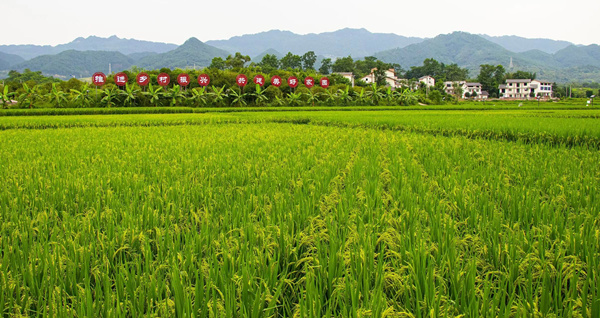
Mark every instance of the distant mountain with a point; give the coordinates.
(92, 43)
(7, 60)
(138, 56)
(573, 63)
(354, 42)
(192, 52)
(464, 49)
(573, 56)
(259, 57)
(518, 44)
(77, 63)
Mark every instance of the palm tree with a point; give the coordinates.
(80, 98)
(154, 94)
(6, 96)
(109, 95)
(217, 95)
(57, 97)
(237, 97)
(130, 94)
(29, 97)
(175, 94)
(198, 97)
(259, 96)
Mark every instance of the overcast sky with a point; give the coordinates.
(61, 21)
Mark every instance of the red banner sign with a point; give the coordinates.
(203, 80)
(309, 82)
(99, 79)
(121, 79)
(259, 80)
(241, 80)
(276, 81)
(163, 79)
(143, 79)
(292, 81)
(183, 79)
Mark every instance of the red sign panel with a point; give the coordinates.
(309, 82)
(292, 81)
(259, 80)
(99, 79)
(203, 80)
(324, 82)
(143, 79)
(183, 79)
(276, 81)
(163, 79)
(121, 79)
(241, 80)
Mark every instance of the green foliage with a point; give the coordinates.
(343, 64)
(6, 96)
(325, 66)
(308, 60)
(29, 76)
(237, 61)
(291, 61)
(269, 63)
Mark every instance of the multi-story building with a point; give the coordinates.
(427, 80)
(390, 78)
(525, 89)
(473, 89)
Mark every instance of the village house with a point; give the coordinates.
(390, 78)
(525, 89)
(474, 90)
(427, 80)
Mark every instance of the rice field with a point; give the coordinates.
(301, 214)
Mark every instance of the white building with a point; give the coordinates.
(525, 89)
(390, 78)
(473, 89)
(427, 80)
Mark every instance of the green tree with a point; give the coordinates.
(217, 63)
(237, 61)
(291, 61)
(56, 96)
(154, 94)
(308, 60)
(344, 64)
(491, 77)
(110, 94)
(269, 63)
(325, 66)
(379, 73)
(6, 96)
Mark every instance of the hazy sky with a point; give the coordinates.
(61, 21)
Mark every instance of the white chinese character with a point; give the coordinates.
(241, 80)
(143, 79)
(183, 79)
(309, 82)
(259, 80)
(121, 79)
(162, 79)
(99, 79)
(292, 82)
(203, 80)
(276, 81)
(324, 82)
